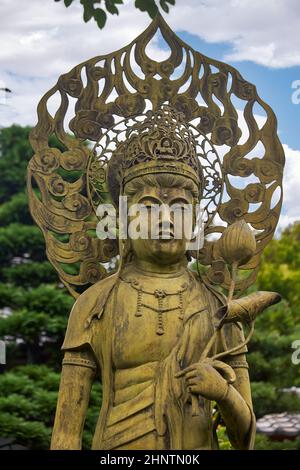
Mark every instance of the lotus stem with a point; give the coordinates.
(238, 347)
(233, 281)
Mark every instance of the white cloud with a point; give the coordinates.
(42, 39)
(48, 39)
(291, 188)
(265, 32)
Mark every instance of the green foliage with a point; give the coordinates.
(223, 440)
(278, 319)
(15, 154)
(28, 397)
(45, 298)
(34, 435)
(270, 349)
(29, 274)
(39, 306)
(285, 250)
(15, 210)
(31, 326)
(29, 286)
(91, 8)
(262, 442)
(280, 270)
(17, 240)
(270, 359)
(269, 399)
(151, 7)
(39, 318)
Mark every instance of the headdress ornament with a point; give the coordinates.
(162, 143)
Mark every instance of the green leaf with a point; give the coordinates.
(147, 5)
(29, 274)
(100, 17)
(68, 2)
(111, 8)
(15, 210)
(18, 240)
(140, 4)
(164, 6)
(88, 11)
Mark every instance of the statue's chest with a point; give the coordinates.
(148, 321)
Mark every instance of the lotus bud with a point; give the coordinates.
(237, 244)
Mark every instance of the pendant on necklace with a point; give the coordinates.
(159, 294)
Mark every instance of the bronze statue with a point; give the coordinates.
(166, 341)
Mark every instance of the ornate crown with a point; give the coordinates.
(162, 143)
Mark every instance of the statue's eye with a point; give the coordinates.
(150, 206)
(146, 205)
(153, 208)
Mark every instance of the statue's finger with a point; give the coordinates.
(184, 371)
(192, 373)
(192, 389)
(225, 370)
(193, 381)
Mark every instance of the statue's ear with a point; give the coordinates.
(127, 249)
(114, 175)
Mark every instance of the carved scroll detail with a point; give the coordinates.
(118, 86)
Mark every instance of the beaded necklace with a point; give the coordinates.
(160, 295)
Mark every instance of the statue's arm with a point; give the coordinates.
(236, 410)
(77, 377)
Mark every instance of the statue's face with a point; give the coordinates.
(164, 215)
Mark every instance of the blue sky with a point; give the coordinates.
(259, 38)
(274, 85)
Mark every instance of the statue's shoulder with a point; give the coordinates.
(89, 305)
(207, 289)
(95, 295)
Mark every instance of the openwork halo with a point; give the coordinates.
(224, 112)
(105, 168)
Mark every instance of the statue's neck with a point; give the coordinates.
(150, 268)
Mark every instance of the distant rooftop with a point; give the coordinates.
(280, 426)
(293, 389)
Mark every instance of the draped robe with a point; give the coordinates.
(144, 405)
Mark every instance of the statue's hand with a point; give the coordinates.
(209, 378)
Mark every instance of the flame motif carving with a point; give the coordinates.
(242, 160)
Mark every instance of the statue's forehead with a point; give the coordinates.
(164, 192)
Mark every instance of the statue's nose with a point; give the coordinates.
(165, 216)
(166, 228)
